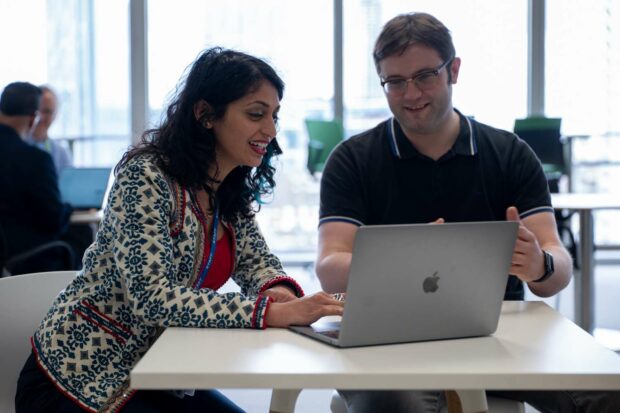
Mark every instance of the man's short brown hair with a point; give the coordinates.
(408, 29)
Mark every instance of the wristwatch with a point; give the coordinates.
(549, 268)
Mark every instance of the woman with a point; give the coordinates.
(179, 222)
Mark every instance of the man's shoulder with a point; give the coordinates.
(502, 145)
(489, 136)
(25, 152)
(38, 154)
(27, 163)
(58, 145)
(490, 132)
(368, 140)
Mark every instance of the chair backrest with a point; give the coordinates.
(544, 137)
(51, 256)
(24, 301)
(323, 136)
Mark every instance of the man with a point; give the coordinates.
(39, 136)
(429, 163)
(31, 212)
(79, 236)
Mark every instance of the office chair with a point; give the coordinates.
(18, 263)
(323, 136)
(544, 137)
(24, 301)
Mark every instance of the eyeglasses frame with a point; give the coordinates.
(434, 72)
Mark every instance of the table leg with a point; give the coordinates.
(467, 401)
(569, 164)
(283, 401)
(584, 284)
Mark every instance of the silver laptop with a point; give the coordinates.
(422, 282)
(84, 188)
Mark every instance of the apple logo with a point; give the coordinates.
(430, 283)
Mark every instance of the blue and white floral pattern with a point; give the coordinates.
(137, 279)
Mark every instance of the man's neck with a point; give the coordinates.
(15, 123)
(438, 142)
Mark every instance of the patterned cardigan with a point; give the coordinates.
(139, 277)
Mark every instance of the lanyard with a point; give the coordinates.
(205, 270)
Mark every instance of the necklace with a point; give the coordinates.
(205, 271)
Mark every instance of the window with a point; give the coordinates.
(70, 45)
(583, 65)
(583, 88)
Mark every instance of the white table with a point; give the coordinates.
(93, 216)
(533, 348)
(585, 204)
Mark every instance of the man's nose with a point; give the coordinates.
(411, 89)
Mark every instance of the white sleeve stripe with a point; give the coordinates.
(340, 219)
(536, 211)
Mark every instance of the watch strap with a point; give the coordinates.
(549, 267)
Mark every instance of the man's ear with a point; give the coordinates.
(201, 111)
(454, 69)
(32, 119)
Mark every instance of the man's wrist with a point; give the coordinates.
(548, 265)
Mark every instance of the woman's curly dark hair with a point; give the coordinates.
(184, 149)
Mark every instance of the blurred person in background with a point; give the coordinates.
(39, 136)
(79, 236)
(31, 210)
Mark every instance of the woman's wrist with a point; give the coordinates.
(274, 316)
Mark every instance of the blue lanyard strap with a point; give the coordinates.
(204, 272)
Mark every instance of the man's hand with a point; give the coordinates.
(280, 294)
(303, 311)
(528, 262)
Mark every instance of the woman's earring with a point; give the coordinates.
(207, 124)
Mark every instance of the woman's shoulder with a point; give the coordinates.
(140, 167)
(142, 163)
(143, 171)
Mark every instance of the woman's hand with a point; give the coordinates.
(280, 294)
(303, 311)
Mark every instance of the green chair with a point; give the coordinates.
(544, 137)
(323, 136)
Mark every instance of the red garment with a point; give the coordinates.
(223, 261)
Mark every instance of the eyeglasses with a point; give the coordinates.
(424, 80)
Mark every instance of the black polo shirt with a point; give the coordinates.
(378, 178)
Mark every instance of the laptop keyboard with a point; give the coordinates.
(330, 333)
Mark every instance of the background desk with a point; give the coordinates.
(87, 217)
(534, 347)
(585, 204)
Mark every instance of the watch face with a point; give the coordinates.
(549, 267)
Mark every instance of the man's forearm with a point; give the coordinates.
(333, 271)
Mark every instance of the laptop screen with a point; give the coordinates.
(84, 188)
